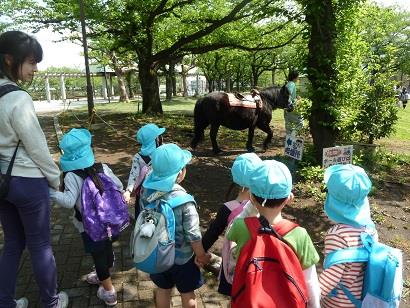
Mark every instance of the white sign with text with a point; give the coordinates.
(337, 155)
(294, 147)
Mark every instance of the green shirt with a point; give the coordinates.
(292, 90)
(298, 238)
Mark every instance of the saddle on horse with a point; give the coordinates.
(252, 100)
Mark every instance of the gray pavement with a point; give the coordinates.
(134, 288)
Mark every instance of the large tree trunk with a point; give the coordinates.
(148, 78)
(173, 79)
(321, 61)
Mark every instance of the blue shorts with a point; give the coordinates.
(186, 277)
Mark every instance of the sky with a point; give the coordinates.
(60, 54)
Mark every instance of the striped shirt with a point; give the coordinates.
(349, 274)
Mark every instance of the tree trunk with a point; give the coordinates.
(168, 84)
(273, 76)
(184, 84)
(148, 78)
(120, 78)
(228, 84)
(128, 77)
(321, 61)
(173, 79)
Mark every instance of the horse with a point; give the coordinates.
(214, 109)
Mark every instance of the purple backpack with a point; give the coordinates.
(104, 214)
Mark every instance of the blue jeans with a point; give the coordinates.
(25, 218)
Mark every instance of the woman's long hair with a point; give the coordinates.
(20, 46)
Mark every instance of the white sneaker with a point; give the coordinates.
(109, 297)
(62, 300)
(92, 278)
(22, 303)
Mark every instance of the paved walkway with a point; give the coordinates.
(59, 105)
(134, 288)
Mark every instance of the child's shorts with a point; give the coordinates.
(186, 277)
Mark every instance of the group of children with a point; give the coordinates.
(265, 189)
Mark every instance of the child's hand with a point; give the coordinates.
(203, 260)
(127, 196)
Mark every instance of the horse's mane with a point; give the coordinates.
(271, 93)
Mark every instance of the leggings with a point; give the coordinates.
(25, 218)
(103, 261)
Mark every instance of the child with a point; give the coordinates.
(150, 137)
(270, 184)
(348, 206)
(241, 166)
(77, 163)
(168, 171)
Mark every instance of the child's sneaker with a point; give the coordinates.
(109, 297)
(22, 303)
(92, 278)
(62, 300)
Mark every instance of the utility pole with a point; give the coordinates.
(90, 96)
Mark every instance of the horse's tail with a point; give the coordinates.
(200, 123)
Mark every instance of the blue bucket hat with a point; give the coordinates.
(167, 161)
(77, 151)
(241, 167)
(271, 180)
(346, 200)
(146, 136)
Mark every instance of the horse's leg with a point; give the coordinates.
(266, 128)
(251, 133)
(213, 133)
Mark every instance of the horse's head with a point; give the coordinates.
(278, 97)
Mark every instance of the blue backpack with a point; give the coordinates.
(383, 277)
(152, 243)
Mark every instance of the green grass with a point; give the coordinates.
(402, 126)
(401, 136)
(179, 104)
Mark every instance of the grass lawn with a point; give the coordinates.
(399, 141)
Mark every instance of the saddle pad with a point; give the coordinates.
(234, 102)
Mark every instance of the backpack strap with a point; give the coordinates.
(9, 88)
(360, 254)
(353, 254)
(180, 200)
(261, 225)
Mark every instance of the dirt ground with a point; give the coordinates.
(208, 178)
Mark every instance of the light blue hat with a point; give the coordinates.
(166, 161)
(146, 136)
(346, 200)
(77, 151)
(271, 180)
(241, 167)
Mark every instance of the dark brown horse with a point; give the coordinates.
(214, 109)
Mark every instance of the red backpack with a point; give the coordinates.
(268, 273)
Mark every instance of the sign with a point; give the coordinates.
(294, 147)
(337, 155)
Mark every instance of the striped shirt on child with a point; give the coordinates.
(349, 274)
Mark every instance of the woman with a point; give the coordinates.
(25, 210)
(293, 120)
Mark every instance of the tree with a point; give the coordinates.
(160, 30)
